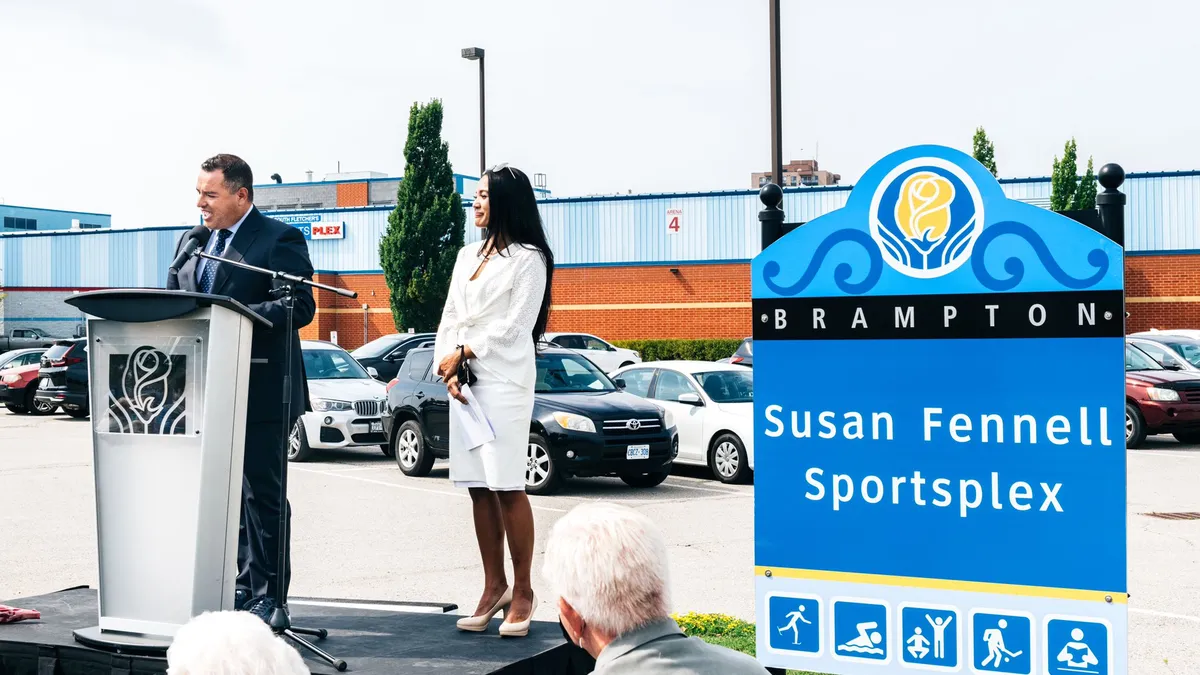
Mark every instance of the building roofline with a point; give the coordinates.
(38, 208)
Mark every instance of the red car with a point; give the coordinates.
(1159, 401)
(17, 387)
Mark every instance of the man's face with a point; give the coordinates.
(220, 207)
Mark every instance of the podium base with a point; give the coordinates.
(122, 643)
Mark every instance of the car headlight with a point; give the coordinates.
(327, 405)
(575, 422)
(1157, 394)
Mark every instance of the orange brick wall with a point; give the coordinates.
(585, 288)
(351, 194)
(1162, 276)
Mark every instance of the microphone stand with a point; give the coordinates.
(280, 622)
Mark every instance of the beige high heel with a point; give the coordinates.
(519, 628)
(478, 624)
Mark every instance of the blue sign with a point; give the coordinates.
(1077, 646)
(796, 624)
(860, 631)
(915, 444)
(930, 636)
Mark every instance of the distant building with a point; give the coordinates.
(360, 189)
(29, 219)
(796, 173)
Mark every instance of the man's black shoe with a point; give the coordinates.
(262, 608)
(241, 597)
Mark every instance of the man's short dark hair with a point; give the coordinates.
(237, 172)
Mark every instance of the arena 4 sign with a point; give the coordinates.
(940, 462)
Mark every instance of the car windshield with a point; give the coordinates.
(1136, 359)
(1188, 350)
(377, 347)
(332, 364)
(568, 373)
(727, 386)
(58, 351)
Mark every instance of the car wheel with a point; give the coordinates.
(645, 480)
(36, 407)
(412, 455)
(79, 414)
(14, 408)
(1135, 426)
(727, 459)
(542, 476)
(298, 448)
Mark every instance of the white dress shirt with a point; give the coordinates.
(212, 245)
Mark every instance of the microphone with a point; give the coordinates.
(196, 238)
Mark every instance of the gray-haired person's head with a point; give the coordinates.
(608, 564)
(231, 643)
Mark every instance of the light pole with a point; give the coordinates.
(473, 54)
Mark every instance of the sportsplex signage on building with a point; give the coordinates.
(940, 479)
(314, 227)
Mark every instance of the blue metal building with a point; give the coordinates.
(30, 219)
(1163, 216)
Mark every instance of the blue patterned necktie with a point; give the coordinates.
(210, 266)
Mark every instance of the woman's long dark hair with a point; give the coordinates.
(514, 219)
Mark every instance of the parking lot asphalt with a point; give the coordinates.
(363, 530)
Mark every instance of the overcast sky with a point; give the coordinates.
(110, 106)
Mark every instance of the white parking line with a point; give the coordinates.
(672, 483)
(460, 495)
(1166, 615)
(1188, 454)
(421, 609)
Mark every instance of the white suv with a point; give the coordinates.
(606, 357)
(347, 404)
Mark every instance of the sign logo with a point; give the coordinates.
(633, 425)
(147, 393)
(925, 216)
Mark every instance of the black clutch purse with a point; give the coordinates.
(465, 376)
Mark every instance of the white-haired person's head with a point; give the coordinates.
(231, 643)
(608, 566)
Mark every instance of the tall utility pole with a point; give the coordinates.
(776, 98)
(473, 54)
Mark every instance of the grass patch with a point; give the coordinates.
(725, 631)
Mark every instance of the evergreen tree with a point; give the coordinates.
(1085, 197)
(1064, 179)
(425, 230)
(984, 151)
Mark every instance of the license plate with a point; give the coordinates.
(637, 452)
(376, 427)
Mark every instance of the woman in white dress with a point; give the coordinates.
(495, 313)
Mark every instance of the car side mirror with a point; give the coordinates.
(373, 373)
(690, 399)
(620, 382)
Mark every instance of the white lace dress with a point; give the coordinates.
(494, 315)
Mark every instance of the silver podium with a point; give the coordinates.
(168, 373)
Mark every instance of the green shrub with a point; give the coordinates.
(723, 630)
(682, 350)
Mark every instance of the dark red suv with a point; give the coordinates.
(1159, 401)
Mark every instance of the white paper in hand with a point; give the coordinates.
(474, 428)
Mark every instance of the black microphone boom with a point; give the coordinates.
(197, 238)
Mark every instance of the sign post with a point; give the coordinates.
(939, 433)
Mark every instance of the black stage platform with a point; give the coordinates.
(382, 640)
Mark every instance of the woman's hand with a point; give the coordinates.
(453, 388)
(449, 365)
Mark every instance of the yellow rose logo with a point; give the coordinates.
(923, 209)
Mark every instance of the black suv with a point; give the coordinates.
(63, 377)
(583, 424)
(387, 353)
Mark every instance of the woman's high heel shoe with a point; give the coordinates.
(478, 624)
(519, 628)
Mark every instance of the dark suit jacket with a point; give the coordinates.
(267, 243)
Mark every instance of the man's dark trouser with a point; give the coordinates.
(262, 495)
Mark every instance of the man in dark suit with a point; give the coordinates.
(241, 233)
